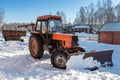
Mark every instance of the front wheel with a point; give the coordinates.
(59, 59)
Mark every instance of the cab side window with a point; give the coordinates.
(38, 25)
(44, 26)
(51, 26)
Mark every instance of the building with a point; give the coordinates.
(80, 28)
(109, 33)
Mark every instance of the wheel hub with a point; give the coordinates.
(60, 61)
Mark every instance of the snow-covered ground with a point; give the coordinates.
(17, 64)
(85, 36)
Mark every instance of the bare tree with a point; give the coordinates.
(58, 13)
(109, 11)
(62, 14)
(64, 18)
(82, 15)
(91, 14)
(1, 15)
(117, 9)
(99, 12)
(69, 22)
(77, 19)
(87, 14)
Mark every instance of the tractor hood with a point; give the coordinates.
(68, 40)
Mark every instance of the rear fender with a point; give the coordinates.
(39, 35)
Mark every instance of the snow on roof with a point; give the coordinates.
(114, 26)
(82, 26)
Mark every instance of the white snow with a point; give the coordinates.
(82, 34)
(82, 26)
(77, 62)
(17, 64)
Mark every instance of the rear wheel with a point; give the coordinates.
(36, 47)
(59, 59)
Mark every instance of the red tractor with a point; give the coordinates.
(48, 35)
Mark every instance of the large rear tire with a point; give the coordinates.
(59, 59)
(36, 47)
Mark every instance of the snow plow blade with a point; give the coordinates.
(104, 57)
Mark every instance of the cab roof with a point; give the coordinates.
(46, 17)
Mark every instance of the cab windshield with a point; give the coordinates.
(54, 26)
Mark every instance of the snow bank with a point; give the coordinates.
(77, 62)
(89, 45)
(85, 75)
(92, 45)
(82, 34)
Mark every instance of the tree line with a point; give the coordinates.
(97, 15)
(94, 15)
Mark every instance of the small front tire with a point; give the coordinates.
(59, 59)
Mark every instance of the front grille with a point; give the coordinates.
(74, 40)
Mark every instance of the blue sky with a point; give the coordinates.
(28, 10)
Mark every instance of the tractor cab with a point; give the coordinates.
(49, 24)
(49, 29)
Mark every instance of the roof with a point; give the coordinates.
(82, 26)
(68, 27)
(113, 26)
(46, 17)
